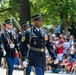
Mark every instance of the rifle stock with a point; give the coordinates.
(7, 35)
(17, 24)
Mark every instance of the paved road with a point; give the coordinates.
(19, 72)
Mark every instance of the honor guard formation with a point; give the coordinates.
(35, 49)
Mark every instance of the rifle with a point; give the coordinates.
(19, 27)
(17, 24)
(7, 35)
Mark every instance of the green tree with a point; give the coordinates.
(54, 11)
(7, 8)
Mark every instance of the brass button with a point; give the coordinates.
(42, 50)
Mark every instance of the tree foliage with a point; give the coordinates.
(7, 8)
(54, 11)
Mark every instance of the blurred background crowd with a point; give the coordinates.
(64, 46)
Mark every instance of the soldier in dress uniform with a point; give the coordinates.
(2, 49)
(25, 25)
(38, 39)
(10, 46)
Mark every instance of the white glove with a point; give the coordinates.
(12, 46)
(25, 63)
(4, 52)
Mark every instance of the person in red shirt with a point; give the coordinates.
(74, 67)
(60, 50)
(68, 65)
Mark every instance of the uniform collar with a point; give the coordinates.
(38, 28)
(8, 30)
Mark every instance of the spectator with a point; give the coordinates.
(74, 67)
(47, 61)
(48, 67)
(58, 30)
(52, 66)
(63, 64)
(68, 65)
(71, 43)
(60, 50)
(66, 45)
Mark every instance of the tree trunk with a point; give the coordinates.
(64, 20)
(66, 27)
(24, 10)
(66, 23)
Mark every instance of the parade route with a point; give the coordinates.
(20, 72)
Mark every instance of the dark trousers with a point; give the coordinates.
(57, 34)
(10, 63)
(38, 70)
